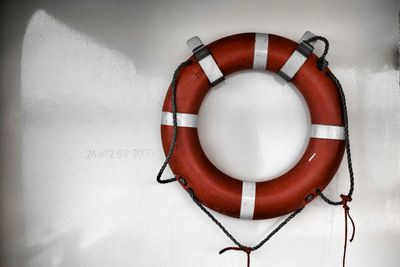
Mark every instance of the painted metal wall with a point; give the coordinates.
(82, 83)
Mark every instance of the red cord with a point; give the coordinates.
(345, 200)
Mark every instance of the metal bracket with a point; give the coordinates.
(297, 59)
(206, 60)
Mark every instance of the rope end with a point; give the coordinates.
(345, 200)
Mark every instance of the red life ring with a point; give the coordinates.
(284, 194)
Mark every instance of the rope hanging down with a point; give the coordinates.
(175, 129)
(322, 64)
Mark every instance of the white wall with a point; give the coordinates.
(80, 77)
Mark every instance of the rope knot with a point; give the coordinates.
(248, 250)
(322, 63)
(345, 200)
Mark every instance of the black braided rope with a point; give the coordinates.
(279, 227)
(230, 236)
(322, 64)
(175, 130)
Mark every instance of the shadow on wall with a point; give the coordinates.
(138, 19)
(97, 19)
(14, 18)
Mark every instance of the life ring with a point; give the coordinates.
(288, 192)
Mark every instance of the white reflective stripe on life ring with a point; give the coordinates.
(260, 51)
(211, 68)
(296, 60)
(293, 64)
(183, 119)
(248, 200)
(207, 63)
(327, 132)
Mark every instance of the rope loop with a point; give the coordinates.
(241, 247)
(322, 64)
(175, 129)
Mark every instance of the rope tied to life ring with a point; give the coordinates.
(322, 64)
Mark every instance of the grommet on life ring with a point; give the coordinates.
(293, 62)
